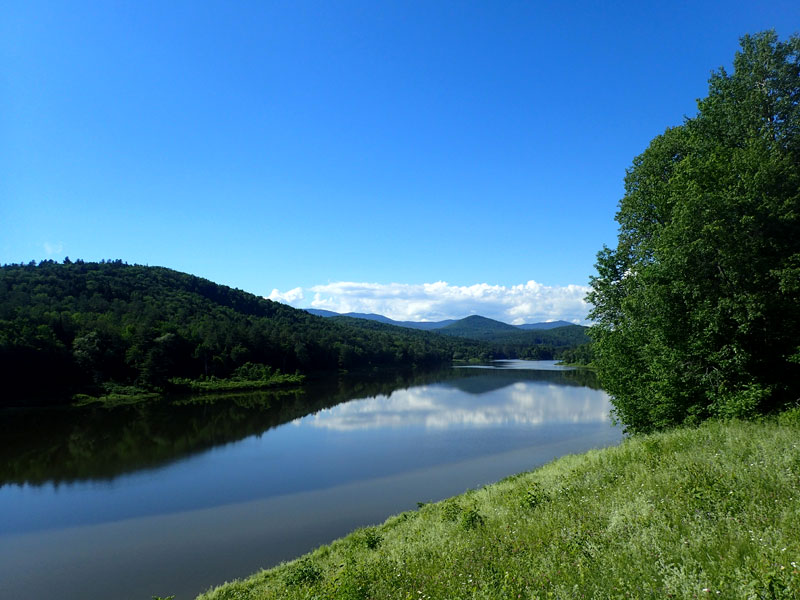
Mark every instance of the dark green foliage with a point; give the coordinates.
(534, 496)
(530, 344)
(481, 328)
(303, 572)
(77, 327)
(697, 309)
(467, 518)
(451, 510)
(471, 519)
(579, 355)
(476, 327)
(790, 417)
(370, 538)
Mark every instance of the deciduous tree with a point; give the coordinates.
(697, 309)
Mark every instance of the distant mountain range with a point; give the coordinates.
(426, 325)
(472, 323)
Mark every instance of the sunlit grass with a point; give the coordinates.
(692, 513)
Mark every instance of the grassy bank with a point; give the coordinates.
(115, 395)
(214, 384)
(249, 377)
(692, 513)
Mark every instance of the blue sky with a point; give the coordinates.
(348, 154)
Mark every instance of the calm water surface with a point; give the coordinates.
(174, 497)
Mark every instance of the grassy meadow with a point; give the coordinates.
(690, 513)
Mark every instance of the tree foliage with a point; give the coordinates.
(73, 327)
(697, 309)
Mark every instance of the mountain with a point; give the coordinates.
(424, 325)
(497, 332)
(372, 317)
(476, 325)
(545, 325)
(103, 328)
(321, 313)
(430, 325)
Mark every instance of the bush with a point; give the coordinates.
(451, 510)
(303, 572)
(252, 372)
(471, 519)
(534, 496)
(790, 417)
(370, 537)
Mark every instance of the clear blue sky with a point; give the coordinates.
(291, 144)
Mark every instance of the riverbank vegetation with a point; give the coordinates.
(697, 309)
(247, 377)
(690, 513)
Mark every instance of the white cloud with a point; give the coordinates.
(529, 302)
(292, 297)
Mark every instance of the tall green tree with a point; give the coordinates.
(697, 309)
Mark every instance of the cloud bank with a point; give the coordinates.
(529, 302)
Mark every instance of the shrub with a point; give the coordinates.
(534, 496)
(471, 519)
(451, 510)
(370, 537)
(303, 572)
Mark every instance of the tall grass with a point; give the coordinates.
(691, 513)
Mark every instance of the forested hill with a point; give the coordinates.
(497, 332)
(476, 325)
(80, 326)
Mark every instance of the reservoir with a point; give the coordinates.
(176, 495)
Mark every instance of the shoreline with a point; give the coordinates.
(624, 519)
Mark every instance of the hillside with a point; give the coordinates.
(476, 327)
(506, 341)
(690, 513)
(91, 327)
(487, 330)
(545, 325)
(426, 325)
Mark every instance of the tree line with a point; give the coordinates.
(92, 327)
(697, 309)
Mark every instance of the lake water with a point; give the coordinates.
(172, 497)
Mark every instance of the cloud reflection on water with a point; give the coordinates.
(443, 407)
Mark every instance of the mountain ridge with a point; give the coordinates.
(112, 328)
(431, 325)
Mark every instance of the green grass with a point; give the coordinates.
(712, 512)
(116, 396)
(214, 384)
